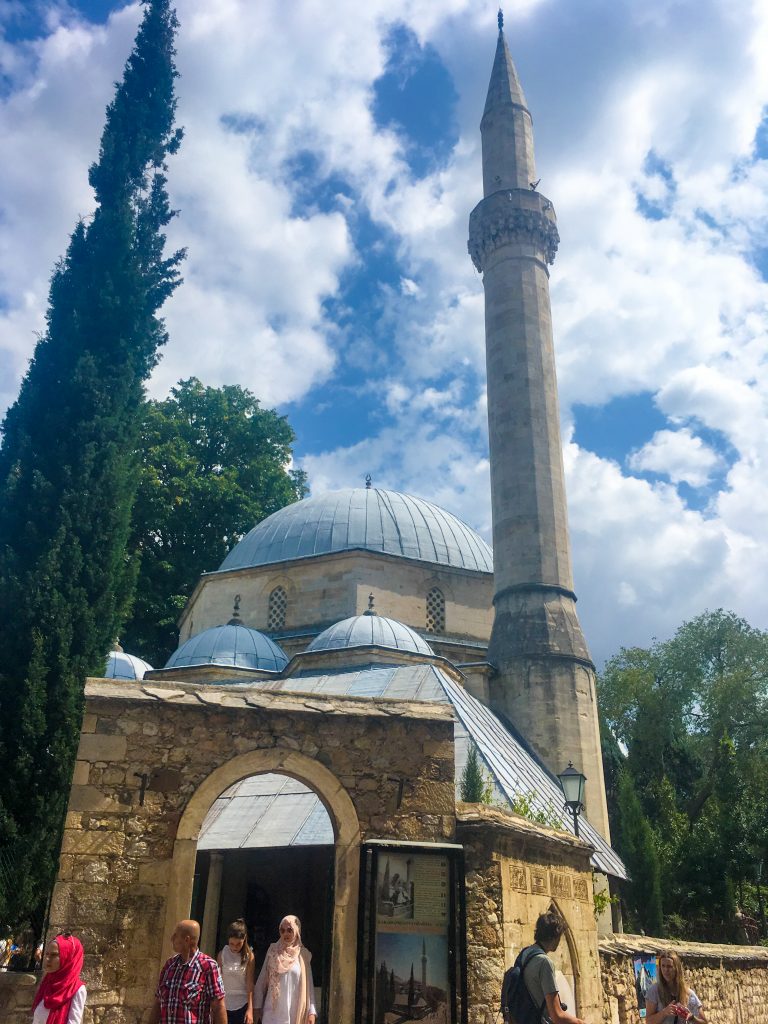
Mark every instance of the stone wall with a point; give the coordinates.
(16, 993)
(383, 769)
(731, 981)
(516, 870)
(329, 588)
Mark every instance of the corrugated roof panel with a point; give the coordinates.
(317, 829)
(237, 816)
(517, 772)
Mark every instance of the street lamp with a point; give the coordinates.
(572, 782)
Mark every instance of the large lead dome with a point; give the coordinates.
(361, 517)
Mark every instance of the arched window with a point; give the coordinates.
(435, 611)
(278, 605)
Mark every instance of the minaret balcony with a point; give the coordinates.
(512, 215)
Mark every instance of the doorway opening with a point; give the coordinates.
(266, 849)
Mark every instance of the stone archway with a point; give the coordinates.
(346, 854)
(568, 963)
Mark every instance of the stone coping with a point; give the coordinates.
(244, 696)
(18, 979)
(500, 820)
(630, 945)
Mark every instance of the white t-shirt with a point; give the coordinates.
(76, 1008)
(233, 975)
(652, 996)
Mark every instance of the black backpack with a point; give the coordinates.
(517, 1006)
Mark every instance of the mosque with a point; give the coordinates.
(331, 678)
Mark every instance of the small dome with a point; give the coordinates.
(362, 517)
(234, 645)
(370, 631)
(125, 666)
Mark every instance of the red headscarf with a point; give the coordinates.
(57, 988)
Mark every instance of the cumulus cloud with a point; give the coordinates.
(678, 454)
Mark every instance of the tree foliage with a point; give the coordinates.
(67, 461)
(474, 786)
(690, 713)
(214, 463)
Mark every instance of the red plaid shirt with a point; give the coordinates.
(186, 991)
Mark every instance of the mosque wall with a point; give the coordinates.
(731, 981)
(516, 870)
(153, 758)
(328, 588)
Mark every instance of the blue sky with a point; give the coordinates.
(330, 162)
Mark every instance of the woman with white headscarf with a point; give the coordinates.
(284, 992)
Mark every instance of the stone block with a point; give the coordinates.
(93, 843)
(98, 747)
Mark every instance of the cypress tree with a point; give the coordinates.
(68, 462)
(472, 784)
(636, 845)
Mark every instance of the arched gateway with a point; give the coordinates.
(346, 828)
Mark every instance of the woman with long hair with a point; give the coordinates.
(670, 998)
(237, 966)
(61, 995)
(285, 991)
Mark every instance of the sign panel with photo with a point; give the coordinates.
(414, 954)
(645, 976)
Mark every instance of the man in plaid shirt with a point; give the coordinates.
(190, 990)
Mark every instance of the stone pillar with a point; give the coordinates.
(544, 682)
(212, 902)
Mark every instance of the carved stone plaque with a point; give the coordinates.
(560, 885)
(581, 889)
(539, 883)
(518, 878)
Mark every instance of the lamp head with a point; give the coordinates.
(573, 782)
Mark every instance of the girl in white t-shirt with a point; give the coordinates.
(670, 998)
(236, 963)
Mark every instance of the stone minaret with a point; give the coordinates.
(545, 680)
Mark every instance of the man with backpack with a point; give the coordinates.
(529, 993)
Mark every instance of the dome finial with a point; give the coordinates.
(500, 19)
(235, 620)
(370, 609)
(368, 481)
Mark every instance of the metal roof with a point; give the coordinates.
(368, 630)
(125, 666)
(233, 644)
(361, 517)
(263, 811)
(515, 770)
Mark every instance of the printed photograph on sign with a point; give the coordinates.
(411, 981)
(412, 892)
(645, 976)
(396, 889)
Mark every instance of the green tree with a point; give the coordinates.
(689, 713)
(638, 849)
(214, 463)
(474, 786)
(67, 462)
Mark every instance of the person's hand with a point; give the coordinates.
(670, 1010)
(248, 1019)
(311, 1018)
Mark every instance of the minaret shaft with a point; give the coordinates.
(544, 682)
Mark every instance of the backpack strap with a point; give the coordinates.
(533, 952)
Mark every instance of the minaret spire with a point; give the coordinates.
(506, 127)
(544, 682)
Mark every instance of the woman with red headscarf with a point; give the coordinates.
(60, 997)
(285, 992)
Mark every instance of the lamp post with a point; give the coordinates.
(572, 782)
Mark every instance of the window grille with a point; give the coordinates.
(435, 611)
(278, 605)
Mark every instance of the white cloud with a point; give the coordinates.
(679, 454)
